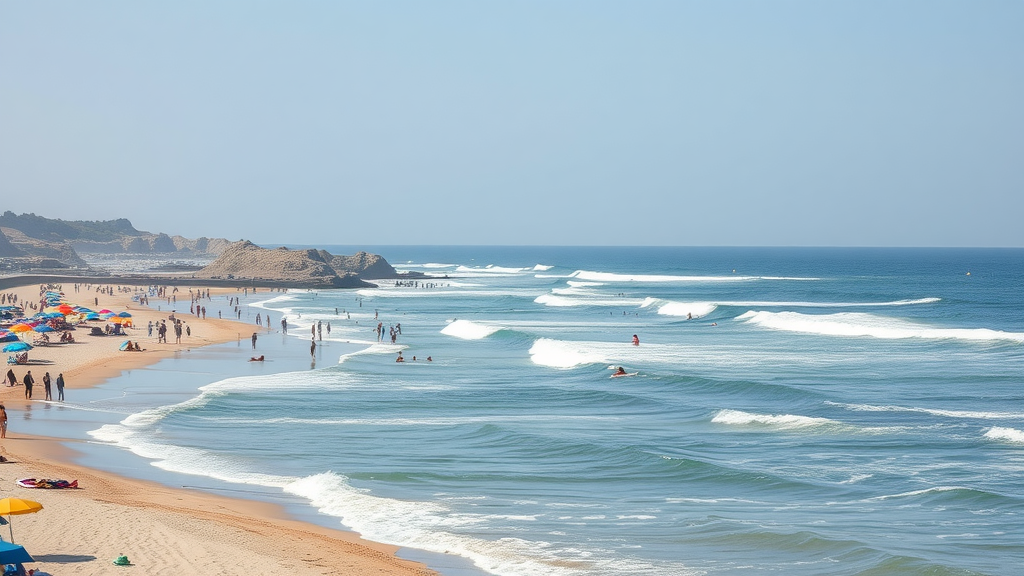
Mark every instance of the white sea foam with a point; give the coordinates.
(861, 324)
(428, 526)
(1005, 434)
(426, 265)
(469, 330)
(785, 421)
(374, 348)
(558, 300)
(423, 525)
(616, 277)
(371, 293)
(798, 304)
(275, 300)
(578, 284)
(561, 354)
(671, 308)
(912, 493)
(542, 267)
(491, 269)
(974, 414)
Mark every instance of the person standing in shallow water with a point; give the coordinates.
(60, 387)
(46, 386)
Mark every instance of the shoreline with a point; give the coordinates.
(240, 535)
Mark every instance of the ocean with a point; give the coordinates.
(798, 411)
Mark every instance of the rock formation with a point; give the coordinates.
(43, 250)
(300, 268)
(363, 264)
(8, 250)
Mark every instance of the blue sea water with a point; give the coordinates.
(794, 411)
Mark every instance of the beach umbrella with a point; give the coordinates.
(11, 553)
(124, 345)
(65, 309)
(105, 311)
(17, 347)
(92, 316)
(13, 506)
(9, 337)
(124, 315)
(21, 328)
(43, 328)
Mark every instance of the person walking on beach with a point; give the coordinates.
(46, 386)
(284, 325)
(3, 421)
(253, 340)
(60, 387)
(28, 381)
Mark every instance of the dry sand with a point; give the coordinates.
(162, 530)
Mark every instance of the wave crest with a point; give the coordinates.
(785, 421)
(861, 324)
(1006, 434)
(468, 330)
(559, 354)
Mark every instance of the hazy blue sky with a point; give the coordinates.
(891, 123)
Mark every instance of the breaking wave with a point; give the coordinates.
(468, 330)
(861, 324)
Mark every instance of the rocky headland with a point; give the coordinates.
(31, 244)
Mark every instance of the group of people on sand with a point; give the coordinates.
(28, 381)
(133, 347)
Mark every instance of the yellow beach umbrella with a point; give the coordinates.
(15, 506)
(10, 506)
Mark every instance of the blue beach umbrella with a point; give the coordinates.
(124, 345)
(124, 315)
(17, 347)
(8, 337)
(43, 328)
(92, 316)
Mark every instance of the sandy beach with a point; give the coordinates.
(162, 530)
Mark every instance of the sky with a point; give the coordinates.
(556, 122)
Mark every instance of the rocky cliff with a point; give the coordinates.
(300, 268)
(363, 264)
(108, 236)
(8, 250)
(60, 251)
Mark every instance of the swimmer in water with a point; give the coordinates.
(636, 340)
